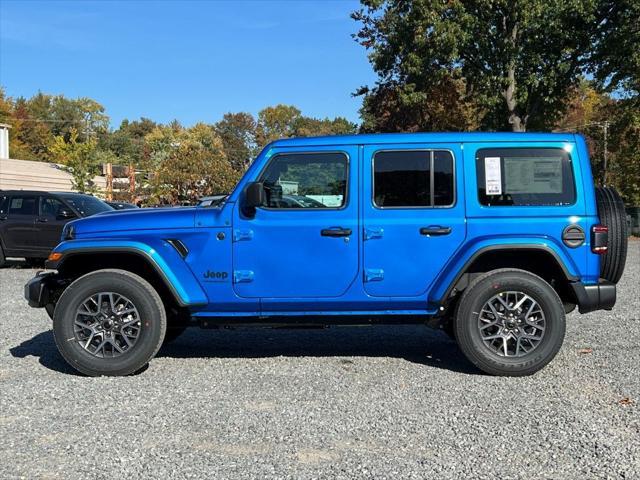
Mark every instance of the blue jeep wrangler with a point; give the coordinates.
(491, 237)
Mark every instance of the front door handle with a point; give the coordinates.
(435, 230)
(335, 232)
(42, 220)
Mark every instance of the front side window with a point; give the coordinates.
(525, 176)
(413, 178)
(306, 180)
(22, 205)
(50, 207)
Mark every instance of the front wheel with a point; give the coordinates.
(109, 322)
(510, 322)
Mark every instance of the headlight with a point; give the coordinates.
(68, 232)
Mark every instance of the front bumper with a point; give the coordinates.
(600, 296)
(37, 291)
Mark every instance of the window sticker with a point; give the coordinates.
(492, 176)
(533, 175)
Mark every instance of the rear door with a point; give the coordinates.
(413, 215)
(18, 227)
(4, 217)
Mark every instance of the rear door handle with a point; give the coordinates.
(42, 220)
(335, 232)
(435, 230)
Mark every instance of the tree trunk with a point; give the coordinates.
(518, 124)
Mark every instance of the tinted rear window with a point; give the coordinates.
(525, 176)
(22, 205)
(413, 178)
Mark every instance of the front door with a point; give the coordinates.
(50, 222)
(413, 216)
(304, 242)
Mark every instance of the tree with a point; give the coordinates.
(616, 57)
(127, 142)
(30, 138)
(312, 127)
(277, 122)
(62, 115)
(238, 134)
(590, 112)
(191, 171)
(517, 59)
(443, 107)
(78, 158)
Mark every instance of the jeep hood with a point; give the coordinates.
(136, 219)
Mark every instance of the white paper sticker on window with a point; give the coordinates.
(492, 176)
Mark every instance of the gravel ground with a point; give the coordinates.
(385, 402)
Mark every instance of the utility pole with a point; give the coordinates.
(132, 183)
(109, 168)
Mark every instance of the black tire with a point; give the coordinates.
(142, 295)
(469, 336)
(612, 214)
(2, 258)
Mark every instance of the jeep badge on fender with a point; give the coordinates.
(215, 275)
(493, 237)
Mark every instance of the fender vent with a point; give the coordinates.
(179, 246)
(573, 236)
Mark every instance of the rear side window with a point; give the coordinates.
(525, 176)
(22, 205)
(413, 178)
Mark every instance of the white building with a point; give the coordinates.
(30, 175)
(4, 140)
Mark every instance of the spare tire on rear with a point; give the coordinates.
(612, 214)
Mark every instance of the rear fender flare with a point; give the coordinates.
(460, 263)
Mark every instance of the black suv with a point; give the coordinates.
(31, 222)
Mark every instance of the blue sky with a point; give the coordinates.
(192, 61)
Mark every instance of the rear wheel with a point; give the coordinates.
(612, 214)
(2, 258)
(510, 322)
(109, 322)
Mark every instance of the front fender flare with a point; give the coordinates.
(159, 254)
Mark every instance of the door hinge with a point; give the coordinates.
(239, 235)
(242, 276)
(373, 232)
(373, 275)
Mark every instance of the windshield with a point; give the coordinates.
(86, 204)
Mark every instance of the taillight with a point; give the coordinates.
(599, 239)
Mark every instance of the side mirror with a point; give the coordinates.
(65, 214)
(254, 197)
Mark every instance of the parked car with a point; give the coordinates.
(299, 201)
(31, 221)
(492, 237)
(211, 201)
(121, 205)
